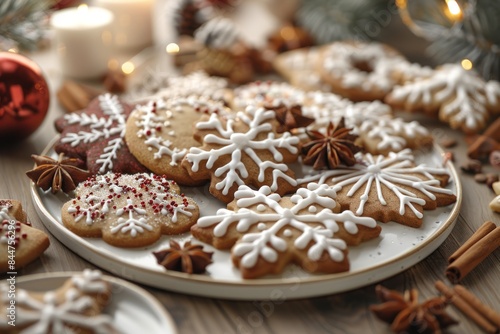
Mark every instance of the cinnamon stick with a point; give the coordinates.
(459, 268)
(485, 310)
(484, 144)
(486, 228)
(465, 308)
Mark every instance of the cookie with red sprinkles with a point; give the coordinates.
(129, 210)
(160, 132)
(20, 243)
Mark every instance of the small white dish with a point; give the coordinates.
(133, 309)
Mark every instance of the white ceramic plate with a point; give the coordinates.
(133, 309)
(398, 248)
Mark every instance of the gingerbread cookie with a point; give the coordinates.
(357, 70)
(159, 85)
(243, 150)
(97, 136)
(269, 232)
(76, 307)
(388, 188)
(129, 210)
(20, 243)
(299, 68)
(160, 133)
(459, 97)
(378, 130)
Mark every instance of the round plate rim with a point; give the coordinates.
(446, 227)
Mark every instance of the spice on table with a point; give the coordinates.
(480, 178)
(481, 244)
(407, 315)
(472, 166)
(490, 179)
(61, 174)
(495, 158)
(191, 259)
(74, 96)
(470, 306)
(495, 203)
(448, 142)
(484, 144)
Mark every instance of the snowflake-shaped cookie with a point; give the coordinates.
(243, 150)
(129, 210)
(96, 135)
(160, 133)
(269, 231)
(76, 306)
(388, 188)
(379, 131)
(460, 97)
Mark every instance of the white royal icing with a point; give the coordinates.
(49, 315)
(393, 171)
(462, 96)
(100, 129)
(268, 240)
(248, 143)
(340, 59)
(374, 120)
(98, 198)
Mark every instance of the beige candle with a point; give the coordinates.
(82, 40)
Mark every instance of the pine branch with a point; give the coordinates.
(476, 39)
(22, 22)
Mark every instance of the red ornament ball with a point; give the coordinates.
(24, 96)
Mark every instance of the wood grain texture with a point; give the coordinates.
(341, 313)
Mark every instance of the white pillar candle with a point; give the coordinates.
(132, 28)
(82, 40)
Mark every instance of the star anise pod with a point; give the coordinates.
(191, 259)
(61, 174)
(289, 118)
(331, 149)
(406, 315)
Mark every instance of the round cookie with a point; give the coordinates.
(359, 71)
(129, 210)
(160, 133)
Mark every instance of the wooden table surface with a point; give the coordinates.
(340, 313)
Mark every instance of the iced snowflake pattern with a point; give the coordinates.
(227, 142)
(460, 96)
(373, 121)
(53, 314)
(101, 128)
(396, 172)
(266, 224)
(130, 205)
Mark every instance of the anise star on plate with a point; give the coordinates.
(290, 118)
(407, 315)
(191, 259)
(61, 174)
(329, 150)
